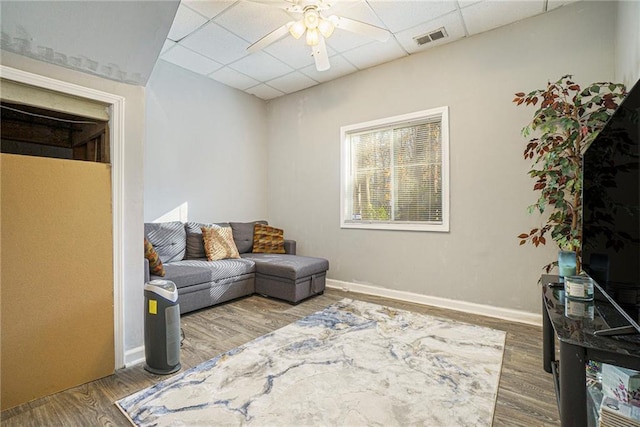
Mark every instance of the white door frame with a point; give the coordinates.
(116, 128)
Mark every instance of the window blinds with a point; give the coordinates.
(396, 173)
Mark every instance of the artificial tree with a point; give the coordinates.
(566, 122)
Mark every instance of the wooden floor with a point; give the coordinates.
(526, 395)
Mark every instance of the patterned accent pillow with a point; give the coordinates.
(218, 243)
(155, 265)
(268, 240)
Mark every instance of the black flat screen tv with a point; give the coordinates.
(611, 212)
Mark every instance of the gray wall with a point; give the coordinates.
(479, 260)
(205, 149)
(628, 42)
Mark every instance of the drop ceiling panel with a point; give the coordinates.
(233, 78)
(398, 16)
(467, 3)
(553, 4)
(292, 82)
(343, 40)
(190, 60)
(185, 22)
(208, 9)
(265, 92)
(339, 67)
(374, 53)
(216, 43)
(261, 66)
(252, 21)
(358, 10)
(488, 15)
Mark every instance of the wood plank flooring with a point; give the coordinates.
(526, 395)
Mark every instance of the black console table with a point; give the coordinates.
(578, 344)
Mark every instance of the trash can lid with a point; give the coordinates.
(165, 288)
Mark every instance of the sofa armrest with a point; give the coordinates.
(290, 247)
(146, 270)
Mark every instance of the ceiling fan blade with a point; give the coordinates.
(320, 55)
(272, 37)
(354, 26)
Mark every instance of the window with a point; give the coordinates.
(395, 173)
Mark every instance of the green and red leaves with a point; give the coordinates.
(567, 119)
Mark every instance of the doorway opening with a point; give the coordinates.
(111, 108)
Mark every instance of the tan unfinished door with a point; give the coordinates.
(57, 276)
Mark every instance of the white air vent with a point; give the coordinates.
(438, 34)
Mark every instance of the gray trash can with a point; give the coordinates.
(161, 327)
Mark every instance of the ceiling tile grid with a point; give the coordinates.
(191, 60)
(211, 37)
(234, 78)
(215, 42)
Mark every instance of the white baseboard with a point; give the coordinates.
(467, 307)
(134, 356)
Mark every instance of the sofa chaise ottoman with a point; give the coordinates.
(289, 277)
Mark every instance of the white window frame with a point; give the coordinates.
(346, 176)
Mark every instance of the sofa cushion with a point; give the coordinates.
(195, 244)
(168, 238)
(194, 272)
(155, 265)
(243, 235)
(267, 239)
(218, 243)
(287, 266)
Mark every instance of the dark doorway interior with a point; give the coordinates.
(40, 132)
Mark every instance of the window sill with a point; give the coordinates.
(443, 228)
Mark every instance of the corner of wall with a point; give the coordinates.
(627, 43)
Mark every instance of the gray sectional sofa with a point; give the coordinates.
(202, 283)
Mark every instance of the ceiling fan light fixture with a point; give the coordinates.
(326, 27)
(297, 29)
(318, 28)
(311, 18)
(313, 36)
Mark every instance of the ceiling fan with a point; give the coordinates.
(317, 27)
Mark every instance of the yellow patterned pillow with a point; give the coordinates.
(268, 240)
(155, 265)
(218, 243)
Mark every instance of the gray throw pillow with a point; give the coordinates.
(168, 239)
(243, 235)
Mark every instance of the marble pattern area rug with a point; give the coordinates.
(352, 364)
